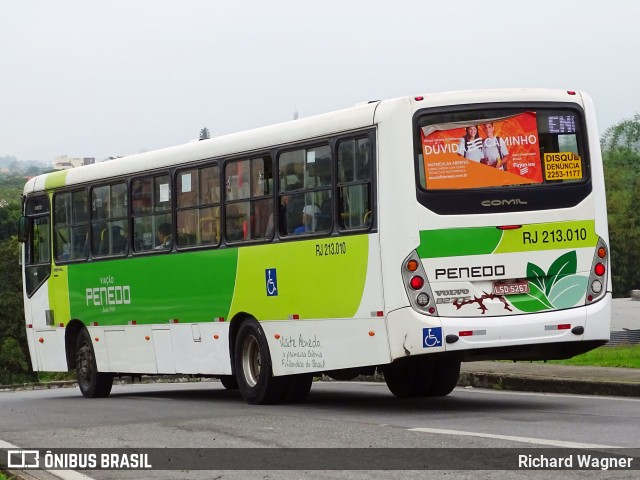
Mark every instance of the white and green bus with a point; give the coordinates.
(405, 236)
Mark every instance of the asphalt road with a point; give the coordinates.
(336, 415)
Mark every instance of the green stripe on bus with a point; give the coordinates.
(321, 278)
(453, 242)
(528, 238)
(56, 179)
(316, 278)
(549, 236)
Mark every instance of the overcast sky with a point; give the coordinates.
(98, 79)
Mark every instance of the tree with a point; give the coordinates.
(621, 154)
(204, 134)
(14, 351)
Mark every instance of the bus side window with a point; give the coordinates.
(354, 184)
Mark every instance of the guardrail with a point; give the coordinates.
(624, 337)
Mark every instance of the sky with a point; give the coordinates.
(99, 79)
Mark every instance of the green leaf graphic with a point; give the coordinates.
(564, 265)
(568, 291)
(534, 301)
(535, 275)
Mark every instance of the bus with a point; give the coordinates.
(401, 236)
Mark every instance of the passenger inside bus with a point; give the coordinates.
(165, 240)
(309, 216)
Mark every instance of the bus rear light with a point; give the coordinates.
(602, 252)
(295, 316)
(372, 333)
(418, 99)
(412, 265)
(596, 286)
(571, 92)
(220, 319)
(378, 313)
(509, 227)
(599, 269)
(422, 299)
(30, 325)
(41, 340)
(416, 284)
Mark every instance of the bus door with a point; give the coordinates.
(43, 339)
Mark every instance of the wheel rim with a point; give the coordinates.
(251, 360)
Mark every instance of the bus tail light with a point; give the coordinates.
(597, 285)
(416, 282)
(417, 285)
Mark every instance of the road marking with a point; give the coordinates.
(537, 441)
(63, 474)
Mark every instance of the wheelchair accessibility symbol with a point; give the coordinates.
(271, 281)
(431, 337)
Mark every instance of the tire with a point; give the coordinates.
(93, 384)
(409, 378)
(298, 388)
(229, 382)
(252, 361)
(445, 377)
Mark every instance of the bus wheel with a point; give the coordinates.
(93, 384)
(298, 388)
(410, 377)
(253, 367)
(445, 377)
(229, 382)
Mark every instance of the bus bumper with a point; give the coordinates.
(530, 336)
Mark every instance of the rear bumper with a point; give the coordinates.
(514, 336)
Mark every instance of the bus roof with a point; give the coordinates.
(359, 116)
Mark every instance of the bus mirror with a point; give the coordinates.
(23, 229)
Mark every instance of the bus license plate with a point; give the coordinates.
(511, 287)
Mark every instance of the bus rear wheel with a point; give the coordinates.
(445, 377)
(409, 377)
(92, 383)
(252, 361)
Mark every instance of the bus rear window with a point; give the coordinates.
(501, 148)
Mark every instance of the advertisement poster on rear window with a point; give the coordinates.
(488, 153)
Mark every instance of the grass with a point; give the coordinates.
(621, 356)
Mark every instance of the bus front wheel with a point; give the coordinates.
(92, 383)
(229, 382)
(252, 360)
